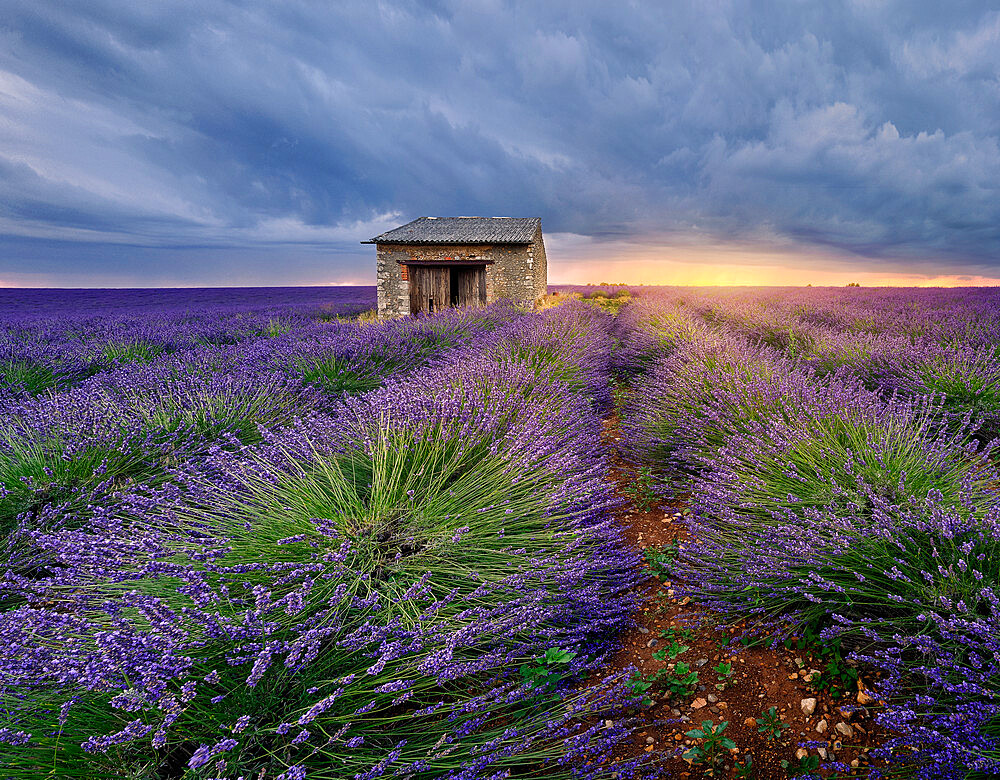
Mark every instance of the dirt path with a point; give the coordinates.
(761, 677)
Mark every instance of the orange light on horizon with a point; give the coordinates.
(583, 262)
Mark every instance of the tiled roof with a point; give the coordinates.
(462, 230)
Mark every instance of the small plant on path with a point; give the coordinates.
(724, 671)
(671, 634)
(837, 676)
(672, 650)
(771, 724)
(661, 559)
(642, 490)
(805, 768)
(680, 681)
(713, 745)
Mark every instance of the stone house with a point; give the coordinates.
(435, 262)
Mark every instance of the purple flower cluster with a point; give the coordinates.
(330, 548)
(54, 339)
(838, 448)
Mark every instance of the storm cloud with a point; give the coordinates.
(210, 142)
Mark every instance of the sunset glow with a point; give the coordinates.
(572, 261)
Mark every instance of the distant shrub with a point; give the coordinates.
(130, 352)
(35, 375)
(966, 380)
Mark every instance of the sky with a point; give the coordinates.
(203, 143)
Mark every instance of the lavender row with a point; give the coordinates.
(54, 339)
(867, 512)
(907, 342)
(133, 422)
(410, 581)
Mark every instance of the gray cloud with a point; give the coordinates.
(867, 127)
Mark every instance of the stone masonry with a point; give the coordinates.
(515, 271)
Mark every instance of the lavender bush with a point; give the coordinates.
(866, 513)
(965, 378)
(407, 582)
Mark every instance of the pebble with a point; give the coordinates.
(750, 723)
(652, 643)
(821, 726)
(712, 698)
(643, 630)
(864, 698)
(649, 740)
(808, 706)
(701, 662)
(675, 713)
(698, 703)
(822, 752)
(849, 713)
(799, 754)
(844, 729)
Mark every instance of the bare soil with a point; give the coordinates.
(763, 677)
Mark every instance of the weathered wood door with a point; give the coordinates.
(468, 286)
(430, 289)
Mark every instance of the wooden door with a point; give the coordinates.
(430, 289)
(469, 286)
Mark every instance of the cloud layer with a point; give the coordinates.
(189, 142)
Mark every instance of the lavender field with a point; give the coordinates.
(252, 534)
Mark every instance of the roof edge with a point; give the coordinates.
(381, 238)
(449, 243)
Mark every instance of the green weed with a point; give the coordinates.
(712, 747)
(770, 724)
(724, 672)
(644, 490)
(806, 767)
(660, 559)
(745, 770)
(837, 676)
(544, 671)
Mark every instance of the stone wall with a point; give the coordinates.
(517, 272)
(540, 266)
(392, 291)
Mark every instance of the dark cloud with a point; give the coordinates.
(203, 129)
